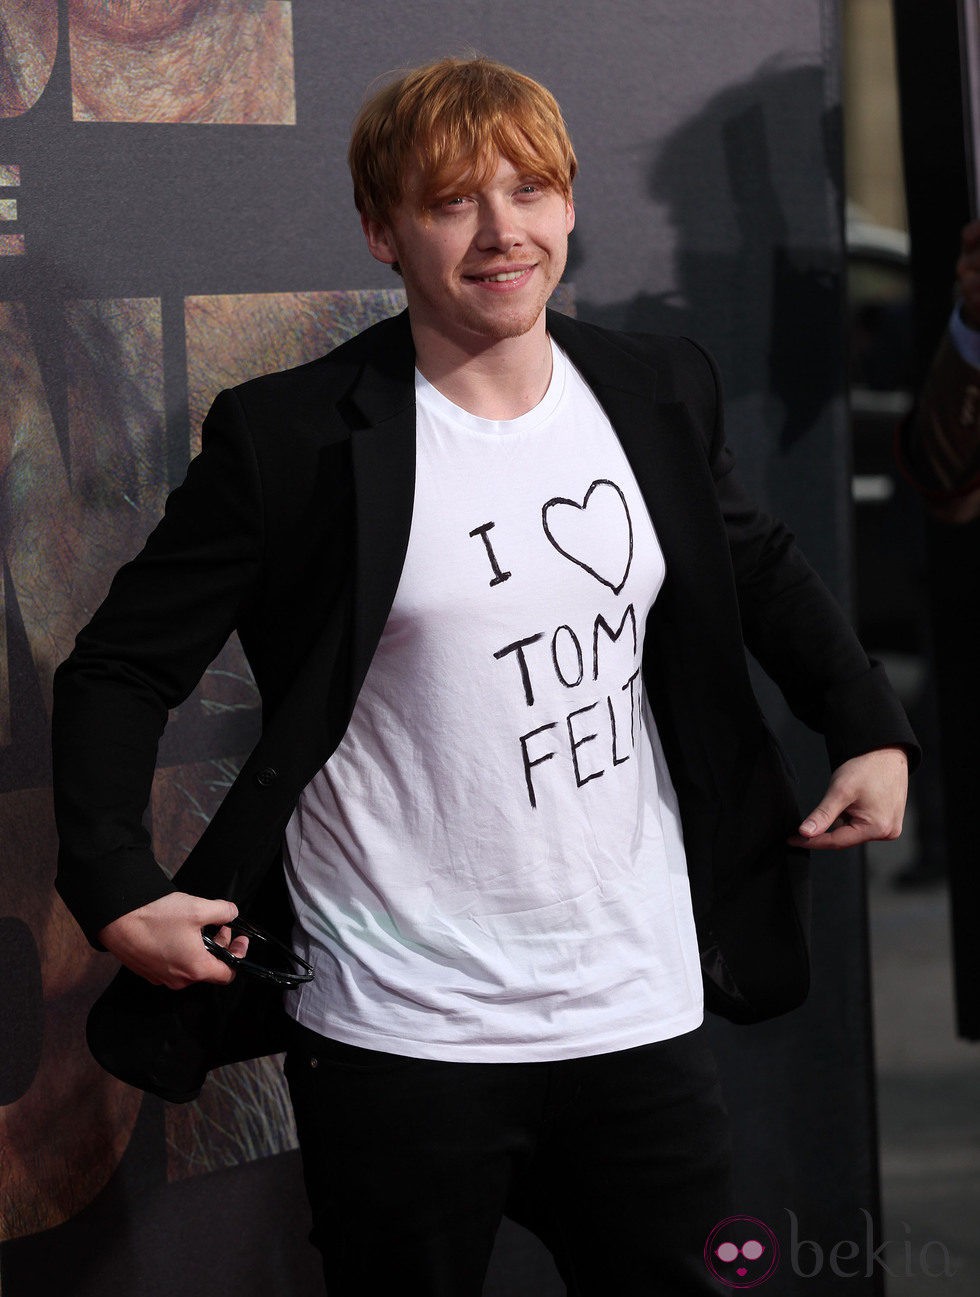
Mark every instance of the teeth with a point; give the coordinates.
(504, 277)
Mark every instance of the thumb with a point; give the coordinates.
(822, 817)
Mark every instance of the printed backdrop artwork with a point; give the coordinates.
(204, 61)
(234, 337)
(27, 52)
(11, 243)
(217, 61)
(84, 442)
(78, 494)
(85, 473)
(175, 215)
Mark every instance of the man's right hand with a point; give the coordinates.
(162, 941)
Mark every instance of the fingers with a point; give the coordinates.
(864, 803)
(822, 817)
(237, 946)
(192, 962)
(845, 830)
(219, 912)
(835, 839)
(198, 964)
(162, 940)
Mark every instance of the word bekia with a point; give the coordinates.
(743, 1252)
(848, 1260)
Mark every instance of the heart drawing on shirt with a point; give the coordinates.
(596, 534)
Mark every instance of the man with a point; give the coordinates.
(518, 810)
(939, 446)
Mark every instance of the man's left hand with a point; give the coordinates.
(864, 803)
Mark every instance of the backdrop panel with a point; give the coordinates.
(176, 215)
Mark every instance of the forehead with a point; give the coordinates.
(492, 169)
(476, 173)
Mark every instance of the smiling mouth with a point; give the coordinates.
(502, 276)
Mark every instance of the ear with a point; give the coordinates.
(569, 216)
(380, 240)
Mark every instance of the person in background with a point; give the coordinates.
(939, 446)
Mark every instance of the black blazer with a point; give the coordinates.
(291, 528)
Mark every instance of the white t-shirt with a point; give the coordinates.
(490, 866)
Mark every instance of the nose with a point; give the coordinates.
(498, 230)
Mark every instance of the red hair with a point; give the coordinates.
(452, 119)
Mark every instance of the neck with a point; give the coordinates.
(500, 379)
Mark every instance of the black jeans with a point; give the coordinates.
(618, 1162)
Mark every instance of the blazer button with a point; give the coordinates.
(266, 777)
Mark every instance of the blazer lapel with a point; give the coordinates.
(695, 661)
(665, 451)
(661, 442)
(380, 408)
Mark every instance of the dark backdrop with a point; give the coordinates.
(175, 214)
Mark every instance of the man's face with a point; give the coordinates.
(479, 262)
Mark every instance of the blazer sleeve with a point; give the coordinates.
(791, 623)
(166, 616)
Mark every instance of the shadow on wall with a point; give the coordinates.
(758, 242)
(750, 187)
